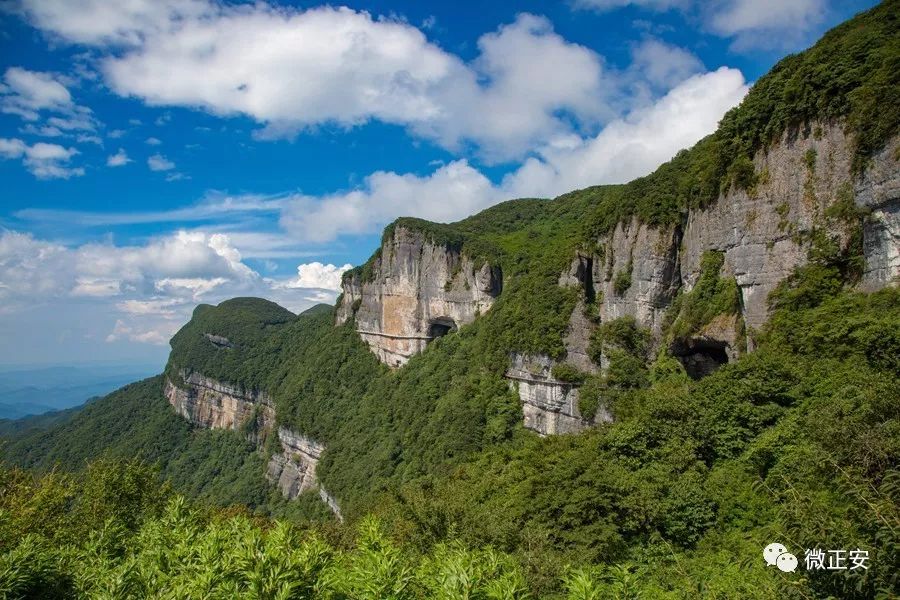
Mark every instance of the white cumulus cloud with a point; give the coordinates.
(158, 162)
(762, 23)
(100, 21)
(316, 275)
(119, 159)
(44, 161)
(626, 148)
(290, 69)
(143, 293)
(449, 193)
(25, 93)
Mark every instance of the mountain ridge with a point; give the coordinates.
(702, 333)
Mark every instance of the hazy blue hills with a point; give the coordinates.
(33, 391)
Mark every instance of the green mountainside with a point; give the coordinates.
(444, 494)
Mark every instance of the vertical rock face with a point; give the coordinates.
(549, 406)
(208, 403)
(418, 291)
(881, 245)
(763, 235)
(293, 469)
(879, 193)
(761, 232)
(637, 275)
(211, 404)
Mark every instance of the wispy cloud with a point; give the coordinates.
(213, 207)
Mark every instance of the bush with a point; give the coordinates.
(622, 281)
(590, 396)
(622, 333)
(568, 373)
(712, 295)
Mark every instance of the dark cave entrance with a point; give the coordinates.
(587, 281)
(702, 359)
(440, 327)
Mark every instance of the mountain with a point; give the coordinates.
(650, 381)
(33, 391)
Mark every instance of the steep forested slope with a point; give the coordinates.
(798, 440)
(136, 422)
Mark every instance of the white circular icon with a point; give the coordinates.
(771, 552)
(787, 562)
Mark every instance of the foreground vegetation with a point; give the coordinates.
(444, 494)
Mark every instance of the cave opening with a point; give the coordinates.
(700, 361)
(440, 327)
(587, 281)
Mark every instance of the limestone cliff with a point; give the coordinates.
(211, 404)
(417, 290)
(638, 270)
(760, 231)
(293, 469)
(549, 406)
(801, 188)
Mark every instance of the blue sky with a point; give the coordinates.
(155, 154)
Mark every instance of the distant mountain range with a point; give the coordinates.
(33, 391)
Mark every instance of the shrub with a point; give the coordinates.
(622, 281)
(713, 295)
(568, 373)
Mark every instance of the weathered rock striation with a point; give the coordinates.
(418, 291)
(549, 406)
(414, 290)
(762, 232)
(293, 469)
(211, 404)
(764, 235)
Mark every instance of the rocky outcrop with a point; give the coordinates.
(218, 341)
(578, 334)
(549, 406)
(637, 269)
(418, 291)
(636, 272)
(879, 194)
(212, 404)
(763, 232)
(293, 469)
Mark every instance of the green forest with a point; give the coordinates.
(443, 492)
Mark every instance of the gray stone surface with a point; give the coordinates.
(650, 256)
(212, 404)
(549, 406)
(762, 235)
(293, 469)
(419, 289)
(759, 233)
